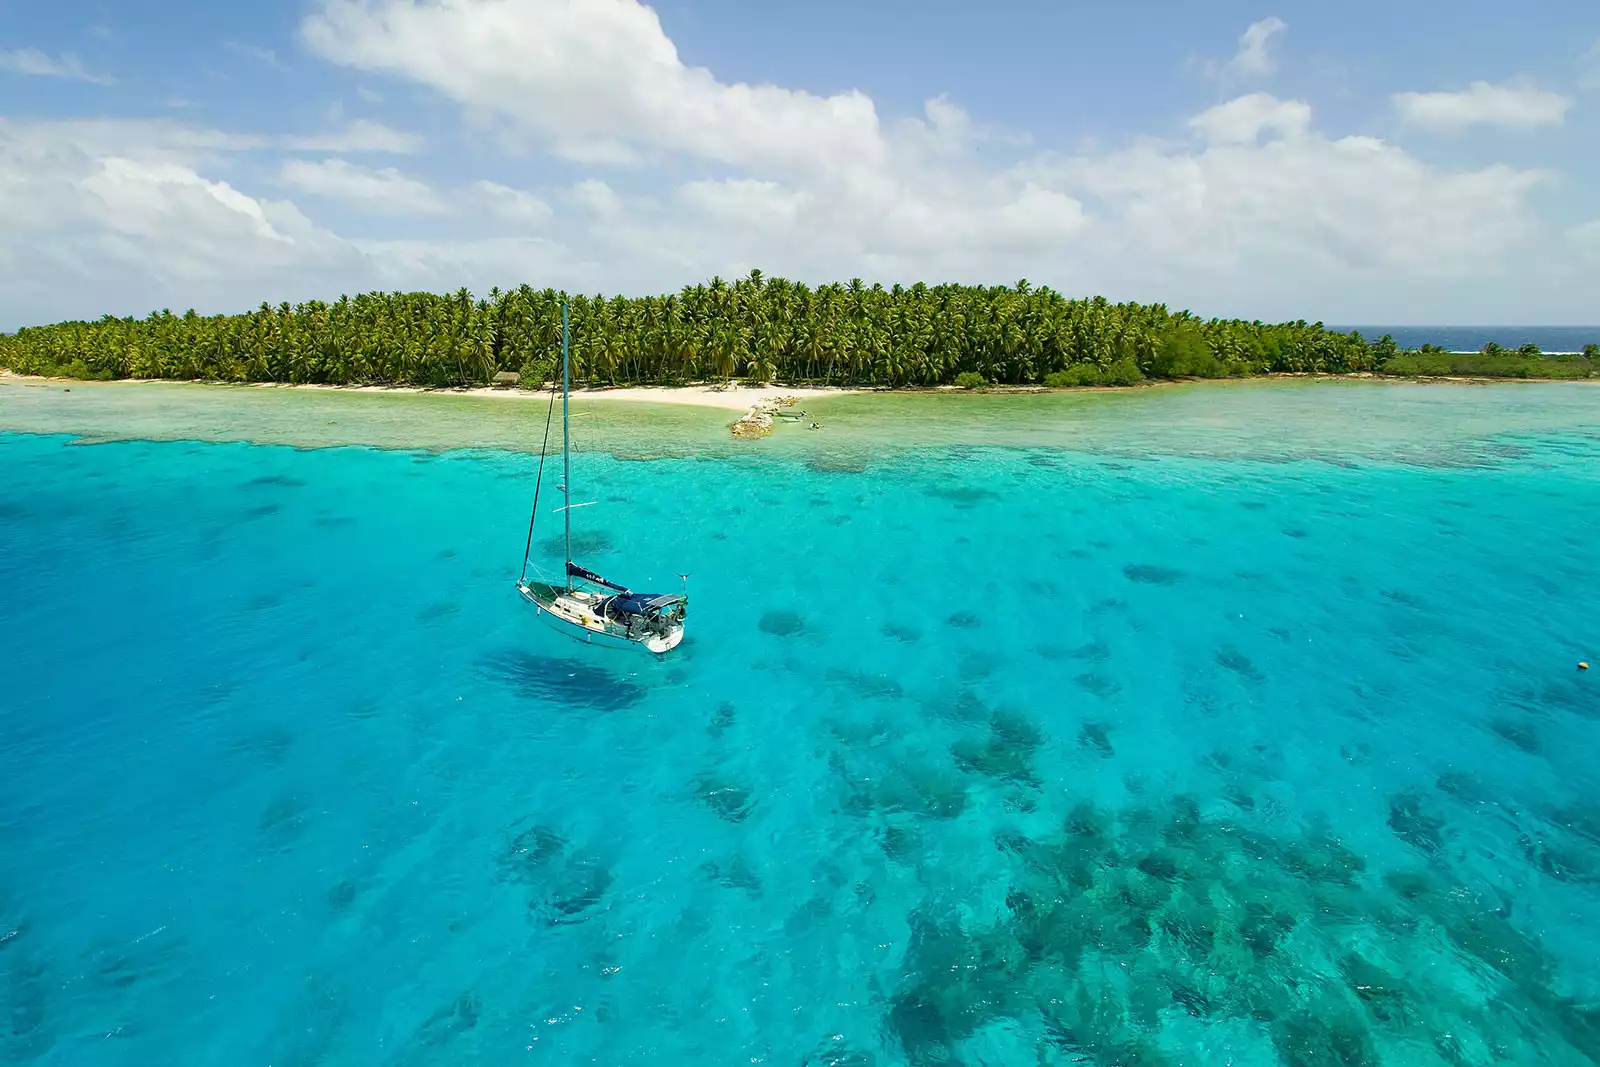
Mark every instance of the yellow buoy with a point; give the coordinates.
(1583, 666)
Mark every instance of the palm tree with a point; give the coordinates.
(768, 327)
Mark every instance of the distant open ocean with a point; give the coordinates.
(1472, 338)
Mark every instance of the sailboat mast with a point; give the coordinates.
(566, 445)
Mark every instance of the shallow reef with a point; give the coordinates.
(1128, 936)
(562, 884)
(782, 623)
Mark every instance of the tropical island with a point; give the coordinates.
(758, 329)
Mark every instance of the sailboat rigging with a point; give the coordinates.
(586, 606)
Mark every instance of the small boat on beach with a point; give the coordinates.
(583, 605)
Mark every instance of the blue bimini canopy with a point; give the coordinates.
(632, 604)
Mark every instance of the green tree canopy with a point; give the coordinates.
(758, 327)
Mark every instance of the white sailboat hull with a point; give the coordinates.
(572, 614)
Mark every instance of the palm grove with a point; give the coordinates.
(757, 328)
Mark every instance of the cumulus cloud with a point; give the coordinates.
(92, 229)
(745, 202)
(67, 65)
(513, 205)
(150, 199)
(1299, 212)
(1259, 213)
(1483, 104)
(358, 136)
(599, 78)
(1245, 119)
(478, 264)
(598, 199)
(363, 189)
(171, 138)
(1254, 58)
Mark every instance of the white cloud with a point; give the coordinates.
(603, 151)
(169, 138)
(601, 81)
(361, 135)
(141, 198)
(1254, 58)
(1243, 120)
(588, 73)
(92, 230)
(598, 199)
(478, 264)
(514, 205)
(363, 189)
(1305, 215)
(67, 65)
(124, 217)
(1482, 104)
(746, 202)
(1259, 213)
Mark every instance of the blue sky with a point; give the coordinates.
(1374, 162)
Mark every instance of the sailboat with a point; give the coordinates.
(584, 605)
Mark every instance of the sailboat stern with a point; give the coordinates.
(661, 644)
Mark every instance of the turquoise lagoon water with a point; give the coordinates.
(1151, 749)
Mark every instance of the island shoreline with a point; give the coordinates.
(1247, 420)
(745, 398)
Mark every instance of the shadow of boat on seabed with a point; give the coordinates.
(568, 682)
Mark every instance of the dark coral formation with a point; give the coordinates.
(1096, 737)
(1518, 732)
(902, 631)
(584, 543)
(1122, 923)
(1152, 574)
(731, 800)
(781, 623)
(564, 885)
(866, 684)
(1006, 753)
(1238, 663)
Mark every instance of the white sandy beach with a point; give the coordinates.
(733, 398)
(739, 398)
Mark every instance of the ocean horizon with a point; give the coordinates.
(1473, 338)
(1227, 723)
